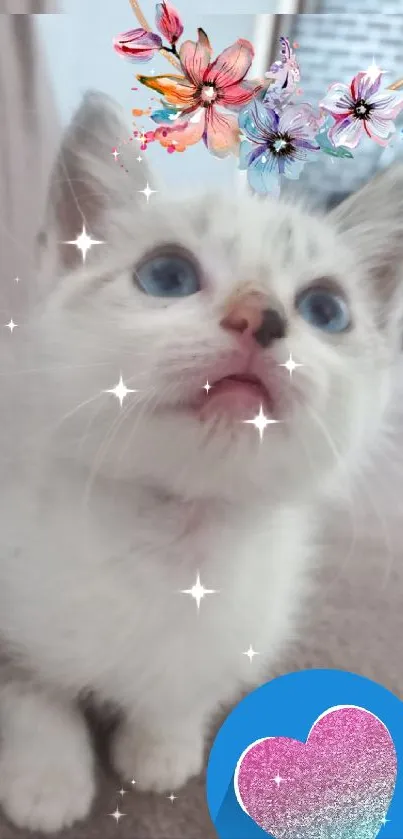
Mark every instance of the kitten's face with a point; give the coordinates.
(118, 317)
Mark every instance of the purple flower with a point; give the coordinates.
(359, 110)
(137, 45)
(276, 144)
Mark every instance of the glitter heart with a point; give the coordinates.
(338, 784)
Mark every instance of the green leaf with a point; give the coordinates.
(334, 151)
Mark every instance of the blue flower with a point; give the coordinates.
(276, 143)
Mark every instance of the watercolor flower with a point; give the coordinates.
(137, 45)
(360, 110)
(195, 99)
(284, 75)
(275, 144)
(168, 22)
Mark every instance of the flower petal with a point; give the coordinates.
(299, 121)
(389, 104)
(165, 116)
(237, 95)
(222, 132)
(245, 151)
(137, 45)
(195, 57)
(338, 100)
(263, 175)
(347, 132)
(293, 168)
(379, 128)
(177, 90)
(168, 21)
(187, 133)
(364, 85)
(231, 66)
(258, 122)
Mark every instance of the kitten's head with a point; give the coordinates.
(198, 305)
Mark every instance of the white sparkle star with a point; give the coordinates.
(147, 191)
(198, 591)
(278, 780)
(260, 422)
(11, 325)
(84, 243)
(17, 279)
(115, 153)
(122, 792)
(373, 71)
(172, 797)
(291, 365)
(251, 653)
(385, 821)
(207, 387)
(117, 815)
(120, 390)
(139, 158)
(133, 781)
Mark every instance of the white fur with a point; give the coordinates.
(110, 513)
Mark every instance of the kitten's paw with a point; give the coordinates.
(43, 790)
(161, 765)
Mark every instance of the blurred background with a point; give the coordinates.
(336, 38)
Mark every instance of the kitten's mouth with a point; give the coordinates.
(237, 396)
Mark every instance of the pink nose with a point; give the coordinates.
(245, 314)
(250, 316)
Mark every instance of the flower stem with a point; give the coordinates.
(170, 54)
(396, 85)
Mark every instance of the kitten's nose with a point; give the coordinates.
(250, 316)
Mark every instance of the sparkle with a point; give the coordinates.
(115, 153)
(373, 71)
(120, 391)
(261, 422)
(133, 781)
(139, 158)
(147, 191)
(122, 792)
(172, 797)
(84, 243)
(251, 653)
(207, 387)
(117, 815)
(291, 365)
(198, 591)
(11, 325)
(385, 821)
(17, 279)
(278, 780)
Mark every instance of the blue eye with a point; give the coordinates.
(168, 275)
(324, 309)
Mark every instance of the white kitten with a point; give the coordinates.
(111, 512)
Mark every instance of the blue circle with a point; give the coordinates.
(288, 707)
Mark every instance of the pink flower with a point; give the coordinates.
(359, 110)
(137, 45)
(205, 87)
(168, 21)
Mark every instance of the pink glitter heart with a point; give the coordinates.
(338, 784)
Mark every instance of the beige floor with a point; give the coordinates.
(355, 623)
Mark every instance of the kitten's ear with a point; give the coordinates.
(87, 183)
(371, 221)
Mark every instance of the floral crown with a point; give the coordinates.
(263, 122)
